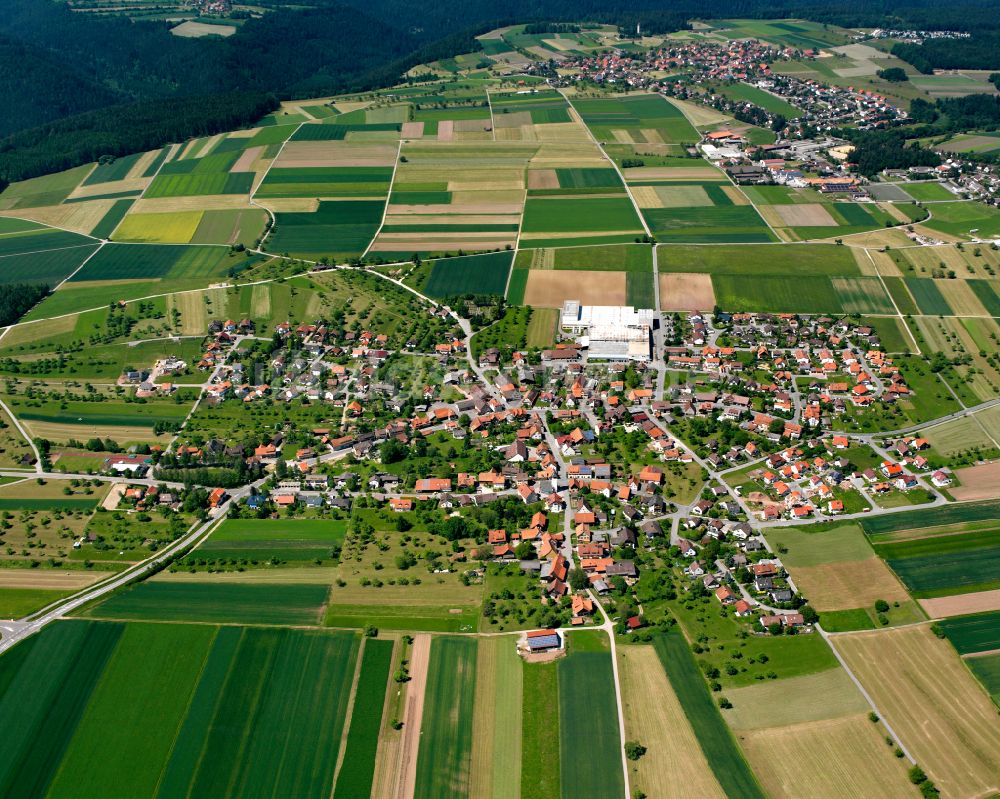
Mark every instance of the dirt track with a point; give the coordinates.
(413, 717)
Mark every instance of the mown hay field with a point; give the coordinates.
(941, 713)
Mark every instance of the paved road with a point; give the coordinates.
(13, 632)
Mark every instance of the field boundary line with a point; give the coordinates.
(493, 123)
(252, 197)
(44, 225)
(142, 194)
(93, 243)
(610, 160)
(388, 194)
(348, 716)
(866, 695)
(892, 299)
(76, 271)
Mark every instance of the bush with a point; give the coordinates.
(634, 750)
(881, 606)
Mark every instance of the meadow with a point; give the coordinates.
(541, 767)
(338, 228)
(256, 603)
(476, 274)
(444, 759)
(587, 702)
(263, 540)
(358, 768)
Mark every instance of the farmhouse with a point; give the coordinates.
(544, 641)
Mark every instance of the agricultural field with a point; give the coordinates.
(808, 278)
(445, 757)
(80, 686)
(260, 541)
(587, 701)
(203, 601)
(674, 764)
(719, 746)
(836, 569)
(934, 704)
(823, 718)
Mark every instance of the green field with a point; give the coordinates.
(928, 190)
(416, 618)
(44, 190)
(986, 669)
(337, 228)
(587, 702)
(579, 214)
(720, 748)
(254, 603)
(15, 603)
(159, 262)
(792, 260)
(295, 540)
(949, 573)
(599, 258)
(445, 756)
(541, 768)
(708, 225)
(474, 274)
(326, 182)
(46, 266)
(759, 97)
(358, 769)
(932, 517)
(965, 219)
(117, 169)
(978, 633)
(111, 219)
(636, 113)
(927, 296)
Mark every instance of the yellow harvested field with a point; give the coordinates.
(827, 759)
(941, 713)
(474, 183)
(176, 227)
(79, 217)
(672, 173)
(683, 196)
(874, 239)
(437, 244)
(412, 130)
(735, 194)
(140, 166)
(805, 215)
(700, 115)
(795, 700)
(27, 332)
(561, 131)
(674, 766)
(681, 291)
(452, 219)
(848, 584)
(551, 288)
(50, 579)
(446, 130)
(245, 133)
(769, 213)
(290, 204)
(961, 604)
(977, 482)
(622, 136)
(961, 298)
(209, 145)
(114, 187)
(646, 196)
(479, 208)
(208, 202)
(476, 202)
(247, 159)
(61, 433)
(543, 179)
(335, 153)
(514, 120)
(192, 308)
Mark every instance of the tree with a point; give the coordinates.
(578, 579)
(634, 750)
(809, 614)
(881, 606)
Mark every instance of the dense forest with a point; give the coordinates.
(57, 67)
(951, 114)
(979, 52)
(16, 298)
(887, 149)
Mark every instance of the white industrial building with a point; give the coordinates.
(611, 332)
